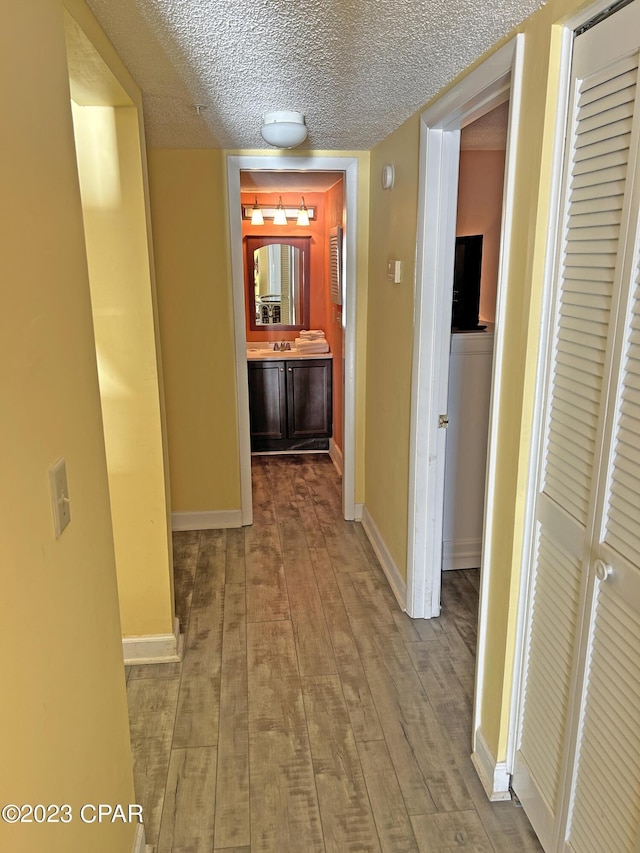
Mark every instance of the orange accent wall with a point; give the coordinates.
(480, 212)
(318, 276)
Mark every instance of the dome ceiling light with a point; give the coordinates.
(283, 129)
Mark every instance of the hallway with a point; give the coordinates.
(309, 713)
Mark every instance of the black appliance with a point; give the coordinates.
(466, 284)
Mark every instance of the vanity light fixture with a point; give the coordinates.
(303, 214)
(256, 214)
(283, 129)
(281, 217)
(269, 213)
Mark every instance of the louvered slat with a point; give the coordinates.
(601, 145)
(622, 528)
(621, 75)
(552, 640)
(609, 748)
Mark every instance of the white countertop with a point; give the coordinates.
(274, 355)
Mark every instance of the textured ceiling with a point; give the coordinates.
(488, 132)
(356, 68)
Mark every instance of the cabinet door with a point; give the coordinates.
(309, 398)
(267, 400)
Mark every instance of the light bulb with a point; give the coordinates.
(256, 214)
(281, 217)
(303, 215)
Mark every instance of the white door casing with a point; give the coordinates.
(349, 167)
(493, 82)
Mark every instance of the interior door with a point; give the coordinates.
(607, 757)
(565, 621)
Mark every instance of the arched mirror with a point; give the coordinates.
(277, 280)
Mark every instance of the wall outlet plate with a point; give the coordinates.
(59, 496)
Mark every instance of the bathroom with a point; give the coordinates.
(270, 336)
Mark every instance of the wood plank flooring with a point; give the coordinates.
(309, 713)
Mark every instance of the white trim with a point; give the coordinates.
(396, 581)
(349, 166)
(493, 774)
(209, 520)
(139, 841)
(358, 511)
(439, 154)
(477, 93)
(461, 554)
(336, 455)
(154, 648)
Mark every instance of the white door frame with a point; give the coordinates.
(264, 163)
(495, 80)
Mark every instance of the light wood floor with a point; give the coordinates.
(309, 713)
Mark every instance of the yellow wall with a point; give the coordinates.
(526, 271)
(63, 714)
(393, 222)
(189, 207)
(388, 436)
(111, 182)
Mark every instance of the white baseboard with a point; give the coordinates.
(493, 774)
(210, 520)
(396, 581)
(139, 841)
(358, 510)
(154, 648)
(336, 456)
(461, 554)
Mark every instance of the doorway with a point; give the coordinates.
(478, 227)
(110, 162)
(496, 80)
(348, 168)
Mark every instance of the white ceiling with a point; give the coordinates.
(356, 68)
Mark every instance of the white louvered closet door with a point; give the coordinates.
(587, 505)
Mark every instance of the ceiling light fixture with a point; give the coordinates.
(303, 214)
(281, 217)
(283, 129)
(256, 214)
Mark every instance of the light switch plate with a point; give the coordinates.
(394, 271)
(59, 496)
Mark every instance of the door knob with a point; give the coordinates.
(603, 571)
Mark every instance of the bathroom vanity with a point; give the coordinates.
(290, 401)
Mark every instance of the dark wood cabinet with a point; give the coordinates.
(290, 404)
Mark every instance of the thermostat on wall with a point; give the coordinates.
(394, 271)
